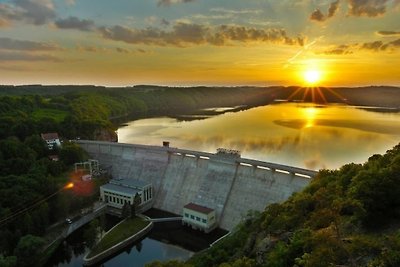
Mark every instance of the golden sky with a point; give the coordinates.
(200, 42)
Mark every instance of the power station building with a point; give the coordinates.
(120, 191)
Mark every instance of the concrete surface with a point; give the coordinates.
(231, 186)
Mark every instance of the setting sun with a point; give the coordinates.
(312, 77)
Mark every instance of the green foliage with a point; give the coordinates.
(71, 153)
(172, 263)
(28, 250)
(9, 261)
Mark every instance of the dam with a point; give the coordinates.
(225, 182)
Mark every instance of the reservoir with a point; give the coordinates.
(296, 134)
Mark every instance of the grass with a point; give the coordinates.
(57, 115)
(121, 232)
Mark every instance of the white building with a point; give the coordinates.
(51, 139)
(120, 191)
(199, 217)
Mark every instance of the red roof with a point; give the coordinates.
(49, 136)
(198, 208)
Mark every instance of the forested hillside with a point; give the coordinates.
(86, 113)
(32, 185)
(345, 217)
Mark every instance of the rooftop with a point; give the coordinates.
(131, 183)
(198, 208)
(49, 136)
(120, 189)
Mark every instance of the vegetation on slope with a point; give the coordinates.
(119, 233)
(345, 217)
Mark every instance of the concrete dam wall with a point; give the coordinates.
(230, 185)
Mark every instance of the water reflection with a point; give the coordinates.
(304, 135)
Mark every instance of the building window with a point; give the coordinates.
(197, 219)
(191, 217)
(204, 220)
(186, 215)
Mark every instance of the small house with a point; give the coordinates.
(52, 140)
(199, 217)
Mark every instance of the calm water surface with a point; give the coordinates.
(72, 251)
(303, 135)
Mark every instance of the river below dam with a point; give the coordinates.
(166, 241)
(297, 134)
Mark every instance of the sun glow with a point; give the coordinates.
(312, 76)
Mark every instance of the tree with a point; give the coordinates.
(10, 261)
(71, 153)
(28, 250)
(126, 211)
(136, 202)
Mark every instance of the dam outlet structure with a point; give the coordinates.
(223, 181)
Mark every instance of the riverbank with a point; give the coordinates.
(121, 235)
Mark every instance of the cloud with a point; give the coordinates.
(333, 8)
(369, 8)
(13, 44)
(75, 23)
(339, 50)
(37, 12)
(236, 11)
(170, 2)
(388, 33)
(317, 15)
(24, 56)
(375, 46)
(165, 22)
(185, 34)
(122, 50)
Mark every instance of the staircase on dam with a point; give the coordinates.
(231, 186)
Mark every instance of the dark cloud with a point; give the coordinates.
(23, 56)
(37, 12)
(391, 45)
(75, 23)
(333, 8)
(122, 50)
(339, 50)
(369, 8)
(388, 33)
(317, 15)
(186, 34)
(165, 22)
(376, 46)
(12, 44)
(372, 45)
(170, 2)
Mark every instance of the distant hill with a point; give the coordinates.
(377, 96)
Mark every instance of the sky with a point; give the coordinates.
(200, 42)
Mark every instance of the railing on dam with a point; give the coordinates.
(305, 173)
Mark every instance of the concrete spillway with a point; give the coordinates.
(232, 186)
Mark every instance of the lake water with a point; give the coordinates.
(297, 134)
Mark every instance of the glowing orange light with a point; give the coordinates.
(68, 186)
